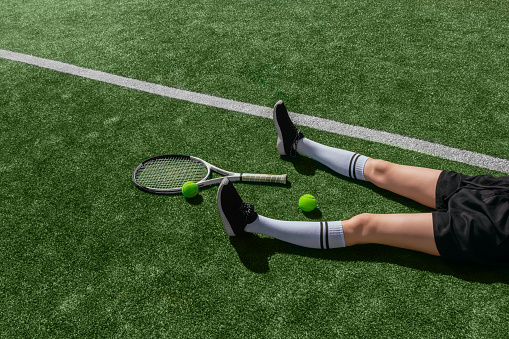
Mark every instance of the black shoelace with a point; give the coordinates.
(298, 136)
(247, 211)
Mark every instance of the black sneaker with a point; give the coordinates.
(287, 134)
(236, 214)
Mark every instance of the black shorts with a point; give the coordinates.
(471, 223)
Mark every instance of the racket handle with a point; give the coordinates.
(274, 179)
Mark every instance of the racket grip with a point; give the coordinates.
(274, 179)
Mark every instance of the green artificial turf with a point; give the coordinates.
(382, 65)
(83, 253)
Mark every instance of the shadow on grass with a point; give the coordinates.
(255, 251)
(197, 200)
(308, 167)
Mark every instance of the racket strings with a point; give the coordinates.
(167, 173)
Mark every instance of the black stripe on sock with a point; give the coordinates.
(350, 166)
(321, 235)
(354, 165)
(326, 235)
(350, 174)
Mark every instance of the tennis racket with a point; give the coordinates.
(165, 174)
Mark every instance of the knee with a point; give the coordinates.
(358, 229)
(376, 170)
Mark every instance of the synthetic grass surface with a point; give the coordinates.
(84, 253)
(383, 65)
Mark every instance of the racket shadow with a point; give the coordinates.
(199, 198)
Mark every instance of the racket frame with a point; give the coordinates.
(232, 176)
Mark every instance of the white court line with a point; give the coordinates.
(446, 152)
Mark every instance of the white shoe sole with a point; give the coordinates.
(280, 145)
(226, 223)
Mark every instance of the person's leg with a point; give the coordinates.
(291, 142)
(416, 183)
(344, 162)
(410, 231)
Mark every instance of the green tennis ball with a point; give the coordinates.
(190, 189)
(307, 203)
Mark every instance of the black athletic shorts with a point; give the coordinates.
(471, 223)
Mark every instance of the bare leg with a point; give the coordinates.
(410, 231)
(416, 183)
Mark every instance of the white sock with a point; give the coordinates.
(344, 162)
(312, 234)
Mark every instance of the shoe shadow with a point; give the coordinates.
(255, 251)
(303, 165)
